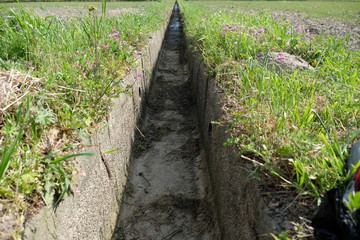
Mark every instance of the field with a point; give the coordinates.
(66, 61)
(346, 11)
(295, 121)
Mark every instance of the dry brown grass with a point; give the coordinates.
(14, 86)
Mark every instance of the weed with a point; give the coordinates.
(297, 124)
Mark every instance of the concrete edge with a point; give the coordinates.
(239, 209)
(92, 209)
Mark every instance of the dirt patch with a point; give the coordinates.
(315, 26)
(166, 195)
(289, 211)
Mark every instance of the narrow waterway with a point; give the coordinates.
(166, 195)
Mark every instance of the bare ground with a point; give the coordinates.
(166, 195)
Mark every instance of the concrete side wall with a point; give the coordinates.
(91, 211)
(239, 210)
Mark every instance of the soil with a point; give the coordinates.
(166, 194)
(315, 26)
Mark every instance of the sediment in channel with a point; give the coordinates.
(167, 195)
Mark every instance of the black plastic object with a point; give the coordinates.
(333, 220)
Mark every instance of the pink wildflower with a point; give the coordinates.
(114, 35)
(261, 30)
(223, 33)
(114, 30)
(106, 46)
(8, 61)
(278, 38)
(137, 75)
(226, 28)
(280, 57)
(298, 29)
(88, 62)
(141, 33)
(77, 52)
(235, 43)
(287, 43)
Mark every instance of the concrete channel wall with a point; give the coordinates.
(90, 212)
(239, 210)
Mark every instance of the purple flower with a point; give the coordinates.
(223, 33)
(278, 38)
(8, 61)
(280, 57)
(114, 34)
(88, 62)
(235, 43)
(114, 30)
(137, 76)
(261, 30)
(298, 29)
(17, 28)
(77, 52)
(106, 46)
(141, 33)
(226, 28)
(287, 43)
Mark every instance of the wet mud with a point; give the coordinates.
(166, 195)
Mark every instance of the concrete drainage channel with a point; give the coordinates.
(179, 182)
(166, 195)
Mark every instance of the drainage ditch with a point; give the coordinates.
(180, 182)
(166, 196)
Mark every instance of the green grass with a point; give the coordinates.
(297, 125)
(346, 11)
(82, 5)
(83, 62)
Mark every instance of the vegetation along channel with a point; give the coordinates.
(137, 121)
(166, 195)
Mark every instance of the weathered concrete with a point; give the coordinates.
(240, 212)
(166, 195)
(92, 210)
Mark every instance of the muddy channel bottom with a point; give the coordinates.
(166, 196)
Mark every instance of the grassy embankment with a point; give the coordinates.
(339, 10)
(296, 125)
(75, 66)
